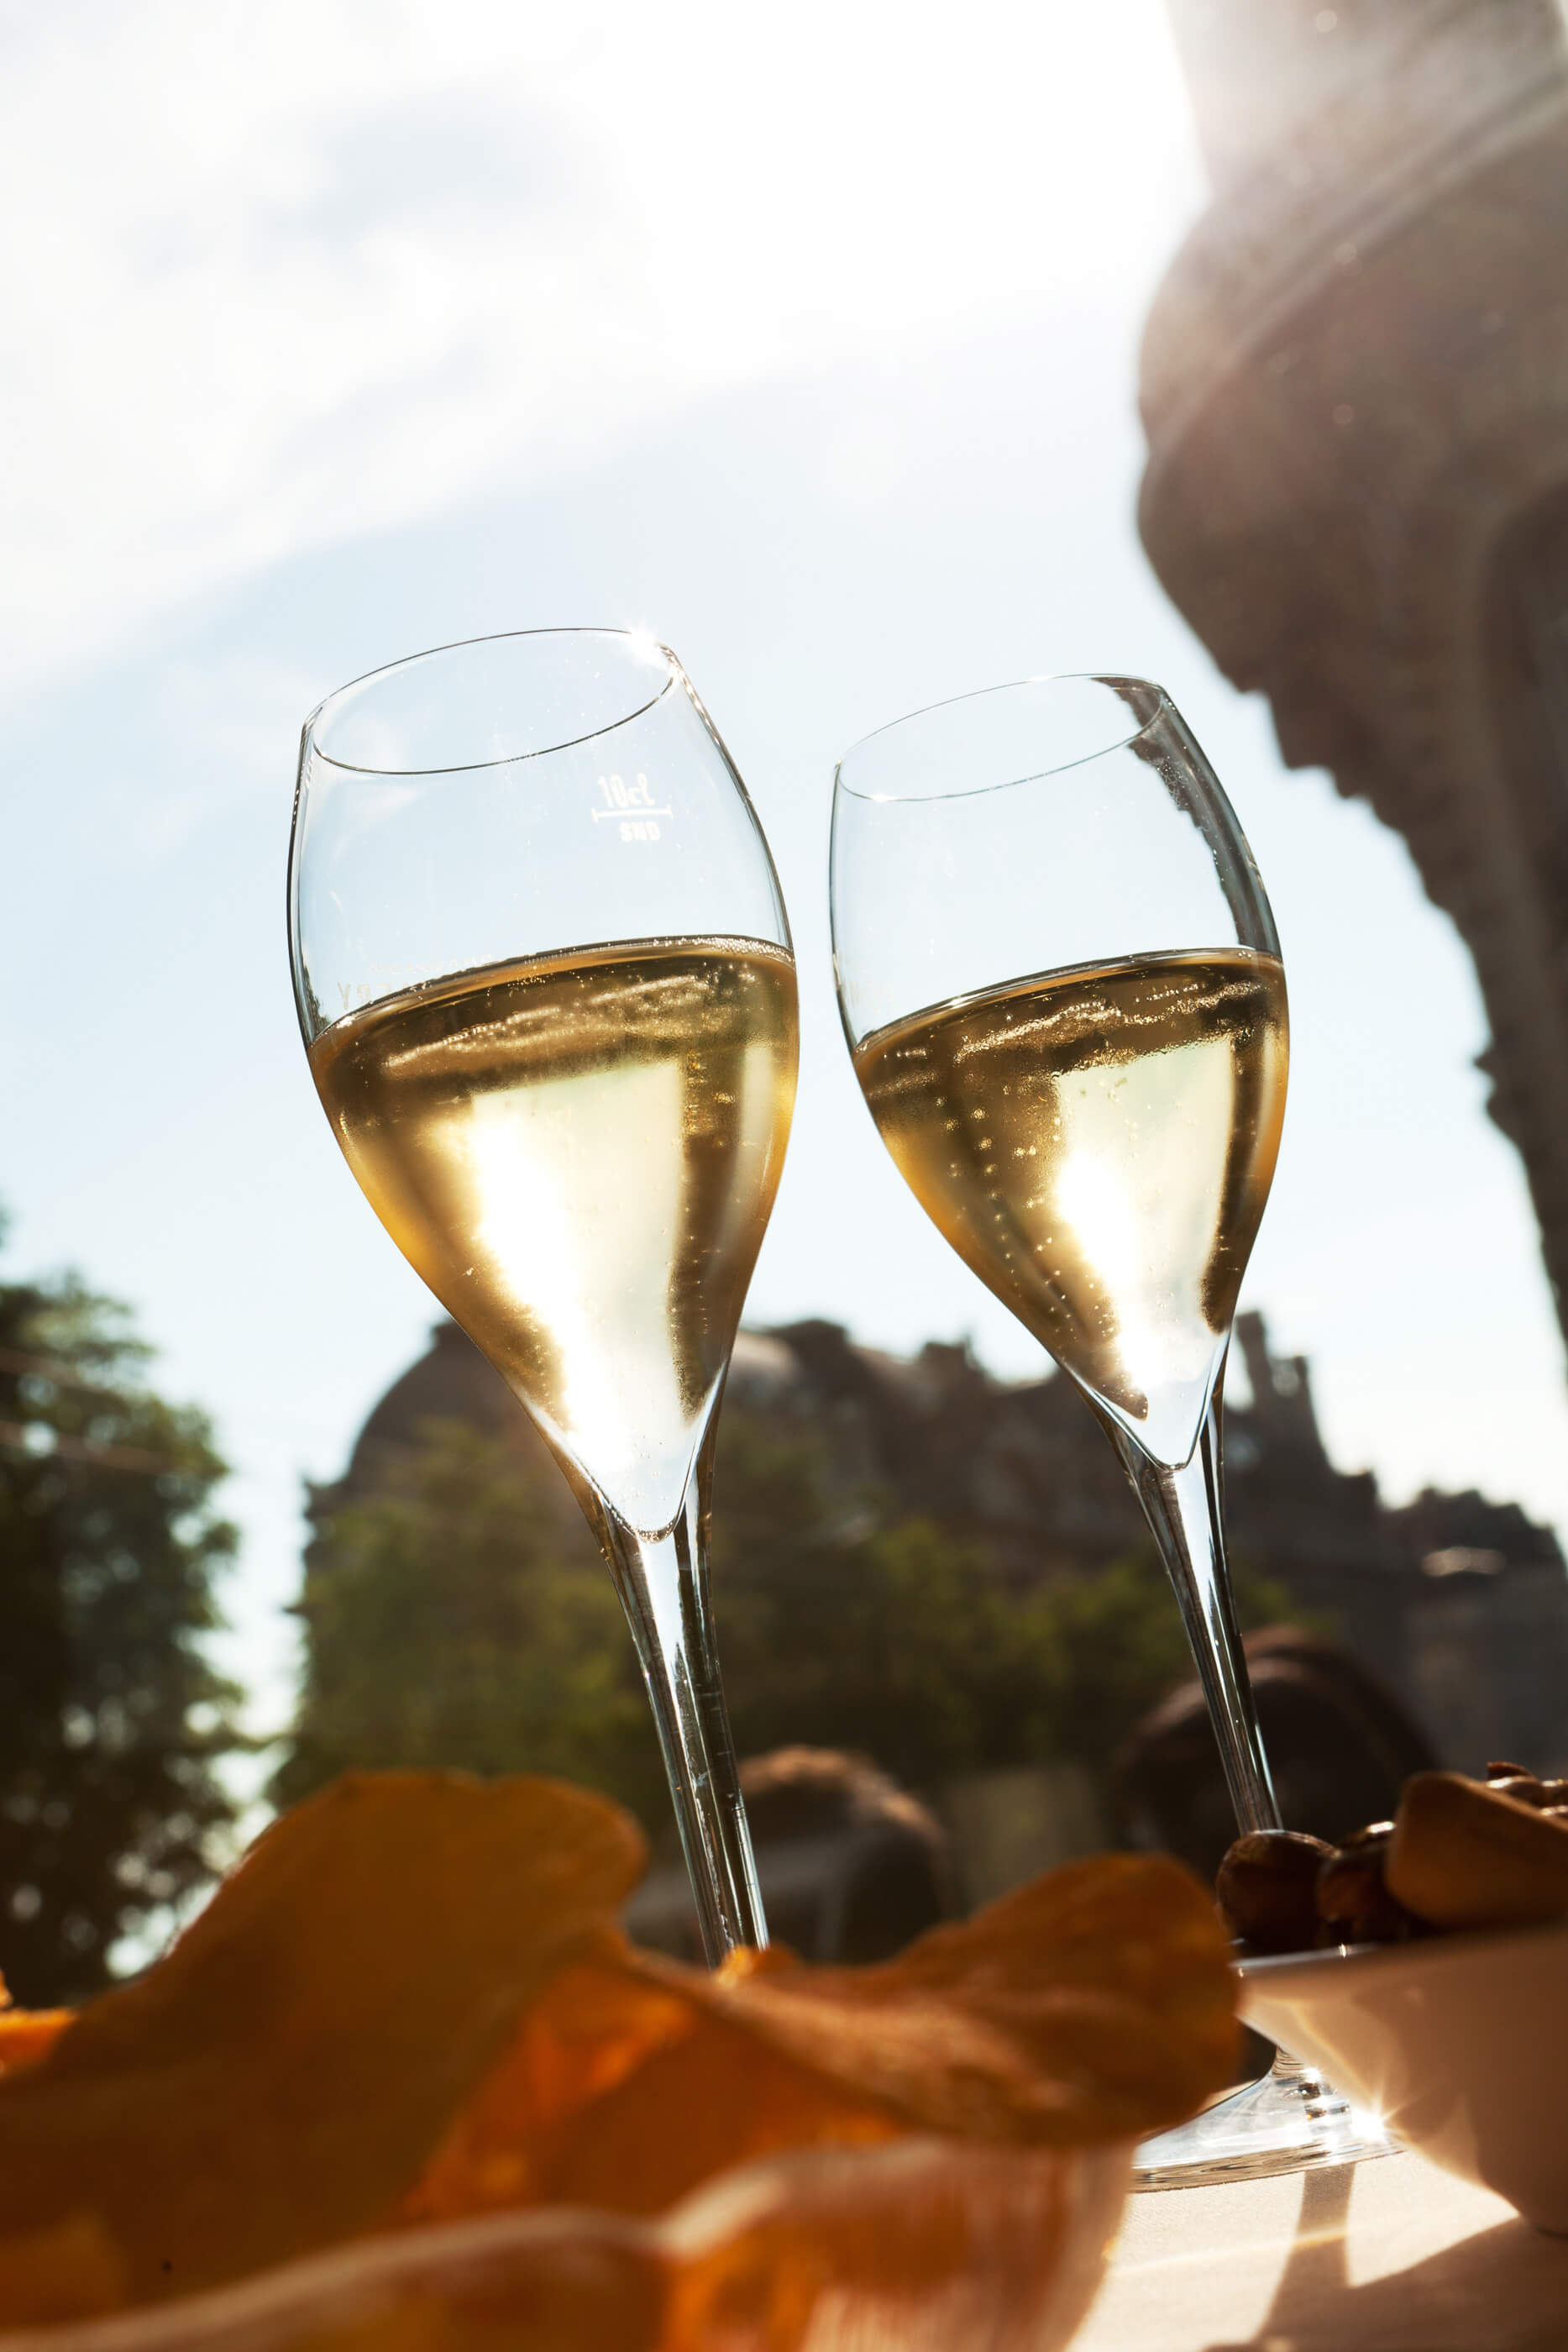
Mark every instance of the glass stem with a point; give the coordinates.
(1184, 1510)
(663, 1581)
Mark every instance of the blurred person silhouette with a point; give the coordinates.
(852, 1866)
(1339, 1743)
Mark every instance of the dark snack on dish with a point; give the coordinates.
(1468, 1855)
(1460, 1854)
(1353, 1903)
(1267, 1889)
(1546, 1796)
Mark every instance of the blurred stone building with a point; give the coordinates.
(1355, 393)
(1461, 1604)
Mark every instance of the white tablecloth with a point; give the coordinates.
(1392, 2256)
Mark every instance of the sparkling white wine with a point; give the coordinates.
(1098, 1145)
(579, 1153)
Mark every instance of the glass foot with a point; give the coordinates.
(1289, 2122)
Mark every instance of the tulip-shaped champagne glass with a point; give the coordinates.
(546, 986)
(1062, 992)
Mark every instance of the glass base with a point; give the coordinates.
(1290, 2122)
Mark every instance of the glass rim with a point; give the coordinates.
(1159, 703)
(627, 637)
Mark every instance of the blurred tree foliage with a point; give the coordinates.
(445, 1626)
(110, 1717)
(842, 1627)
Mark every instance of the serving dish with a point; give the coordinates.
(1459, 2042)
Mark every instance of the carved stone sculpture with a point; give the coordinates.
(1355, 393)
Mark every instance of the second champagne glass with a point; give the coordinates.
(1062, 992)
(545, 982)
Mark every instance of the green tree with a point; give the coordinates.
(444, 1627)
(111, 1718)
(850, 1627)
(445, 1624)
(1116, 1646)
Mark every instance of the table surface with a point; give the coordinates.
(1390, 2256)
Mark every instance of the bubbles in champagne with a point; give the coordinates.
(580, 1153)
(1098, 1145)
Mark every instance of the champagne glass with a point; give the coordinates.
(546, 990)
(1062, 992)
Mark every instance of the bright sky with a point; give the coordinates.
(806, 340)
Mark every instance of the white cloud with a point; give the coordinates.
(280, 276)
